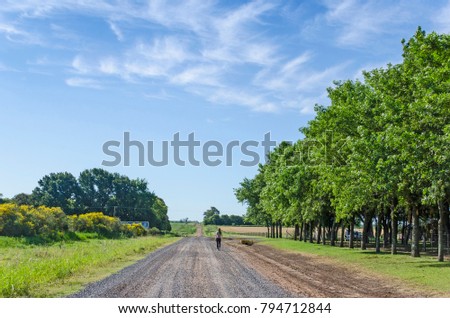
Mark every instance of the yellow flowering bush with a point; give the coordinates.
(97, 222)
(25, 220)
(133, 230)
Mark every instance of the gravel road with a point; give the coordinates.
(192, 267)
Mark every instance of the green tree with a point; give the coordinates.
(23, 199)
(212, 216)
(58, 190)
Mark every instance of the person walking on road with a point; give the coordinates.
(219, 238)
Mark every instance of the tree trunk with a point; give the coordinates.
(394, 231)
(341, 243)
(386, 234)
(300, 236)
(296, 231)
(306, 227)
(281, 229)
(352, 228)
(367, 223)
(415, 232)
(441, 232)
(311, 230)
(273, 230)
(324, 235)
(377, 235)
(319, 233)
(333, 234)
(403, 230)
(276, 229)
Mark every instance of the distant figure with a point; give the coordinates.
(219, 238)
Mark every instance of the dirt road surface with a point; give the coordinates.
(192, 267)
(316, 276)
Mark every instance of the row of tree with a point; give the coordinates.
(213, 216)
(100, 191)
(378, 155)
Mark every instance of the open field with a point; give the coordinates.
(183, 229)
(424, 272)
(62, 268)
(253, 230)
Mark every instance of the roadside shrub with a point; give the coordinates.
(96, 222)
(29, 221)
(247, 242)
(133, 230)
(154, 231)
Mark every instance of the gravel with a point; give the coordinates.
(191, 267)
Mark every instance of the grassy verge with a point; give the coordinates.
(209, 230)
(60, 269)
(183, 229)
(423, 272)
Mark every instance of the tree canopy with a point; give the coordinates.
(378, 154)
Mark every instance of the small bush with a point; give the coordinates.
(96, 222)
(154, 231)
(247, 242)
(134, 230)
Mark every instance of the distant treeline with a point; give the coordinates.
(97, 190)
(212, 216)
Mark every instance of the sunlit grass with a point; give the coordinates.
(46, 271)
(184, 229)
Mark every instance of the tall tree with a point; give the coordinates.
(58, 190)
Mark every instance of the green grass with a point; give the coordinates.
(423, 272)
(63, 268)
(209, 230)
(183, 229)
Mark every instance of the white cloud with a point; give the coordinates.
(357, 22)
(17, 35)
(109, 65)
(442, 19)
(161, 95)
(83, 82)
(208, 75)
(80, 65)
(117, 31)
(242, 97)
(322, 78)
(225, 53)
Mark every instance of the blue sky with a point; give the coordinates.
(75, 74)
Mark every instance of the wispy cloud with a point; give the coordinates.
(83, 82)
(5, 68)
(18, 35)
(227, 53)
(442, 19)
(356, 22)
(116, 30)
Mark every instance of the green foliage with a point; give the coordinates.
(154, 231)
(99, 190)
(379, 151)
(212, 216)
